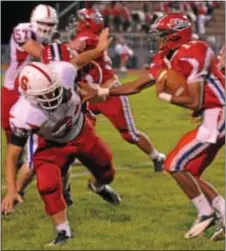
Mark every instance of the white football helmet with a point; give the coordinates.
(44, 21)
(41, 86)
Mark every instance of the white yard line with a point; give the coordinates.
(118, 168)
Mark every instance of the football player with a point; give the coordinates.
(171, 38)
(116, 109)
(52, 109)
(25, 44)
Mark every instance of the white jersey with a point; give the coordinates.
(61, 125)
(18, 57)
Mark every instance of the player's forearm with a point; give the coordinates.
(133, 87)
(85, 57)
(10, 174)
(33, 48)
(183, 101)
(12, 157)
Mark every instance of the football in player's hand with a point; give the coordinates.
(174, 82)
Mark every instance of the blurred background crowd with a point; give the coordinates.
(130, 22)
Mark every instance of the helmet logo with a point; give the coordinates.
(178, 23)
(24, 81)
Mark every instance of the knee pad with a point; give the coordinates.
(49, 185)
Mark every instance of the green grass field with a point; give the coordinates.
(154, 213)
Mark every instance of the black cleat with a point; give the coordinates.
(67, 196)
(159, 162)
(61, 239)
(107, 193)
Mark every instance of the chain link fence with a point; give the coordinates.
(137, 42)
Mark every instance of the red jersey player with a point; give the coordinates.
(172, 39)
(116, 109)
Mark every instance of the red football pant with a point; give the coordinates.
(192, 155)
(117, 110)
(9, 98)
(50, 157)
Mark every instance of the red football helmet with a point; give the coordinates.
(90, 19)
(170, 32)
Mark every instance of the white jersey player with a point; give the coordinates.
(50, 108)
(25, 44)
(26, 40)
(40, 114)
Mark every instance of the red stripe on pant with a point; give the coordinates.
(200, 161)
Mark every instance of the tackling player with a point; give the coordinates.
(171, 36)
(52, 110)
(116, 109)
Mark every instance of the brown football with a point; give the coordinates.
(175, 84)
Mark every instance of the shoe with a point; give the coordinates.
(159, 162)
(219, 234)
(200, 225)
(67, 196)
(61, 238)
(107, 193)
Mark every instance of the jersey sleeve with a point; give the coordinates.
(193, 61)
(22, 34)
(19, 128)
(156, 65)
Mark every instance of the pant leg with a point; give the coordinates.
(95, 154)
(48, 160)
(117, 110)
(192, 155)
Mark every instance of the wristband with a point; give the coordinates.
(165, 96)
(103, 91)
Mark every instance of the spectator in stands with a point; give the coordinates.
(125, 53)
(106, 12)
(126, 17)
(202, 12)
(116, 13)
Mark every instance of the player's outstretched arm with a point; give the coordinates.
(12, 196)
(132, 87)
(85, 57)
(129, 88)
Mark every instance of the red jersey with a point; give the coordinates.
(102, 70)
(196, 61)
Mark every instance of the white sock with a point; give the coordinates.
(154, 154)
(64, 226)
(218, 204)
(202, 205)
